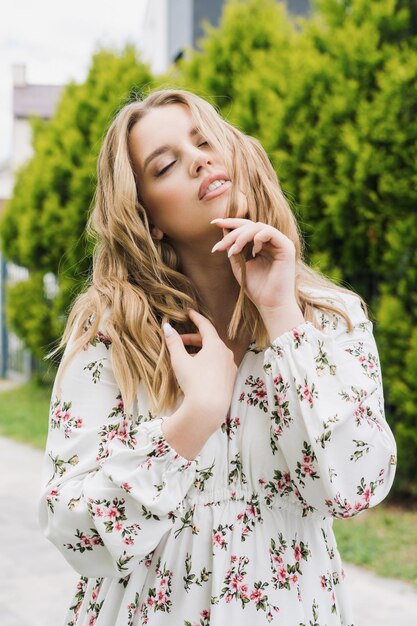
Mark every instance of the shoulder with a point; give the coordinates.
(82, 326)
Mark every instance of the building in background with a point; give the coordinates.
(28, 100)
(170, 27)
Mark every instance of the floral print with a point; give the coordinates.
(368, 361)
(281, 413)
(250, 516)
(191, 578)
(114, 515)
(257, 395)
(158, 598)
(60, 415)
(242, 534)
(236, 588)
(285, 574)
(230, 426)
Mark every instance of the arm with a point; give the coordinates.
(112, 484)
(326, 400)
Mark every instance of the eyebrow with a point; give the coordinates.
(164, 148)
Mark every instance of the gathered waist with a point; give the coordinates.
(217, 497)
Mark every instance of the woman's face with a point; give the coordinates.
(175, 167)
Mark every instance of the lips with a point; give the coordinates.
(210, 179)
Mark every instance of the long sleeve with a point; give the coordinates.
(112, 485)
(325, 395)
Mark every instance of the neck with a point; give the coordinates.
(215, 282)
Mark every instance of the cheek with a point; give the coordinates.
(169, 197)
(155, 201)
(167, 207)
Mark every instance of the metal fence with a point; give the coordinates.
(15, 358)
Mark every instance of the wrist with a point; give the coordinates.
(280, 319)
(185, 430)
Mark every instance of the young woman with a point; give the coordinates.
(192, 478)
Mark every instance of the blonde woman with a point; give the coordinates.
(191, 477)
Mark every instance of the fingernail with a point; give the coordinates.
(218, 219)
(168, 330)
(216, 246)
(231, 250)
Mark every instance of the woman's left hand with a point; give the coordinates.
(270, 275)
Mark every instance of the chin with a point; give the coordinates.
(220, 207)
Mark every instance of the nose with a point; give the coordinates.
(199, 161)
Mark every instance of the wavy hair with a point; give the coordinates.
(136, 282)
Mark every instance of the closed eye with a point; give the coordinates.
(161, 172)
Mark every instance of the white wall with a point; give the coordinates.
(153, 44)
(21, 147)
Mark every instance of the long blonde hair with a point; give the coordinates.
(137, 279)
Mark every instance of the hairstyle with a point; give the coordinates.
(136, 282)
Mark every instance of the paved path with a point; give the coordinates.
(36, 584)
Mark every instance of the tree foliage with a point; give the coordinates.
(43, 224)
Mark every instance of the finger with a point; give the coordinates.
(259, 239)
(273, 236)
(205, 327)
(231, 237)
(175, 345)
(230, 222)
(192, 339)
(244, 237)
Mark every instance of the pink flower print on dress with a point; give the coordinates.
(286, 567)
(220, 535)
(307, 393)
(158, 597)
(369, 362)
(257, 396)
(306, 468)
(52, 498)
(297, 553)
(60, 415)
(341, 508)
(250, 516)
(280, 416)
(230, 426)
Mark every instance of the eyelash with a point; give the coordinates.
(164, 170)
(161, 172)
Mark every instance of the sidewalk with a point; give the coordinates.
(36, 584)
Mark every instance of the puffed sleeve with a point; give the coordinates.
(112, 485)
(325, 392)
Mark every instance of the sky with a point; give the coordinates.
(56, 39)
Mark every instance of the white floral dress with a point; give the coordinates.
(242, 534)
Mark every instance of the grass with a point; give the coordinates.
(24, 413)
(383, 539)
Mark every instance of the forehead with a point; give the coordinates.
(159, 126)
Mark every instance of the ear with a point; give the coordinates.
(156, 233)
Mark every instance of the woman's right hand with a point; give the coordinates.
(206, 378)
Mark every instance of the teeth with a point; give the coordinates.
(215, 184)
